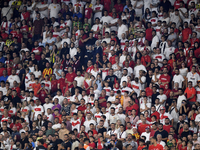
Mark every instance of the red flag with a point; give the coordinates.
(99, 144)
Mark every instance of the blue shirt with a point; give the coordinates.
(2, 59)
(2, 78)
(99, 87)
(79, 15)
(50, 41)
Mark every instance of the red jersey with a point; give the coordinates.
(88, 12)
(70, 77)
(4, 36)
(156, 114)
(157, 147)
(19, 37)
(1, 71)
(62, 83)
(145, 60)
(82, 108)
(54, 85)
(26, 15)
(24, 28)
(149, 92)
(18, 125)
(186, 32)
(112, 59)
(36, 50)
(142, 127)
(164, 78)
(119, 7)
(42, 96)
(167, 128)
(13, 33)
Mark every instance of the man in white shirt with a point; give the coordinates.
(7, 11)
(88, 122)
(155, 40)
(97, 9)
(38, 109)
(177, 78)
(121, 29)
(13, 77)
(105, 18)
(146, 134)
(121, 135)
(54, 8)
(47, 105)
(80, 79)
(162, 97)
(111, 98)
(124, 77)
(181, 97)
(193, 76)
(59, 97)
(138, 67)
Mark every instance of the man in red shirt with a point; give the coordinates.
(112, 58)
(154, 112)
(154, 145)
(164, 78)
(83, 39)
(142, 126)
(61, 83)
(119, 7)
(190, 93)
(186, 33)
(146, 59)
(82, 107)
(25, 14)
(54, 84)
(167, 125)
(16, 125)
(42, 92)
(194, 39)
(37, 50)
(1, 68)
(69, 78)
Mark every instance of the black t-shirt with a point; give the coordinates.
(112, 80)
(102, 130)
(16, 100)
(185, 134)
(153, 97)
(164, 133)
(148, 80)
(34, 61)
(55, 144)
(23, 141)
(66, 145)
(7, 98)
(32, 132)
(21, 72)
(26, 60)
(41, 148)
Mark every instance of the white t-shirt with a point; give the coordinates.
(13, 78)
(46, 106)
(38, 110)
(79, 80)
(75, 124)
(54, 9)
(193, 77)
(180, 99)
(155, 40)
(113, 28)
(161, 98)
(98, 14)
(56, 126)
(121, 29)
(121, 135)
(60, 99)
(147, 135)
(50, 117)
(87, 124)
(138, 68)
(178, 78)
(4, 90)
(44, 12)
(106, 19)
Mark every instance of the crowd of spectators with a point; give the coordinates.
(100, 74)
